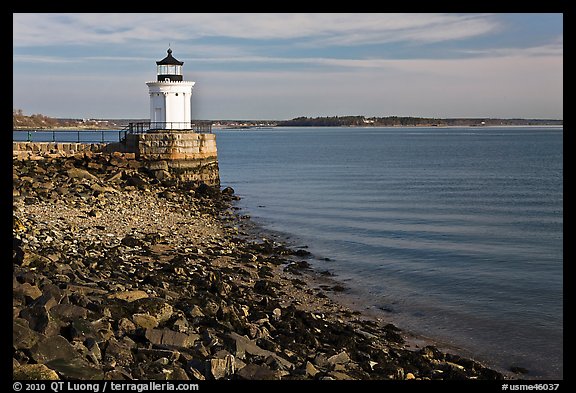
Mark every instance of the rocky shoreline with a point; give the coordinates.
(118, 274)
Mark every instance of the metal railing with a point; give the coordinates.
(201, 127)
(60, 135)
(106, 136)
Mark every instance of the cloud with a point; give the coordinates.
(21, 58)
(283, 65)
(503, 86)
(555, 48)
(498, 87)
(315, 29)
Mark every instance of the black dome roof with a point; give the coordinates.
(169, 60)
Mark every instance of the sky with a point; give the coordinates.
(285, 65)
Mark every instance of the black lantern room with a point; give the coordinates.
(169, 69)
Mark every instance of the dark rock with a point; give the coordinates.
(94, 354)
(33, 260)
(51, 295)
(302, 253)
(37, 317)
(310, 369)
(156, 307)
(257, 372)
(22, 336)
(172, 355)
(136, 181)
(51, 348)
(125, 326)
(27, 372)
(119, 352)
(68, 312)
(145, 321)
(170, 338)
(119, 162)
(228, 191)
(27, 292)
(340, 376)
(103, 330)
(17, 251)
(220, 368)
(178, 374)
(265, 287)
(18, 225)
(76, 173)
(243, 345)
(205, 191)
(488, 374)
(95, 213)
(128, 296)
(114, 177)
(341, 358)
(131, 241)
(118, 374)
(518, 370)
(81, 329)
(75, 368)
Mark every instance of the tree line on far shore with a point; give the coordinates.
(22, 121)
(392, 121)
(39, 121)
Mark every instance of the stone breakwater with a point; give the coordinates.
(119, 274)
(186, 156)
(39, 150)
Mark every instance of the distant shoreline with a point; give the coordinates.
(247, 128)
(38, 121)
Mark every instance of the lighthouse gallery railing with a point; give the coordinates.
(200, 127)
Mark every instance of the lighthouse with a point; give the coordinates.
(170, 96)
(171, 145)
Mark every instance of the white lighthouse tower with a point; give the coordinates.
(170, 96)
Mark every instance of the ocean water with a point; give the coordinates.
(455, 234)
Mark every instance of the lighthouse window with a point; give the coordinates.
(176, 94)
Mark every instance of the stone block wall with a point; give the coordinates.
(186, 155)
(170, 145)
(35, 150)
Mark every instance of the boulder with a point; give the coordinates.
(155, 307)
(257, 372)
(22, 336)
(311, 370)
(145, 321)
(119, 352)
(81, 329)
(128, 296)
(221, 368)
(68, 312)
(75, 368)
(27, 291)
(76, 173)
(27, 372)
(52, 348)
(341, 358)
(170, 338)
(243, 345)
(37, 317)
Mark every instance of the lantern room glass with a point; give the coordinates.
(169, 69)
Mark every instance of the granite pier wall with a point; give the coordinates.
(185, 155)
